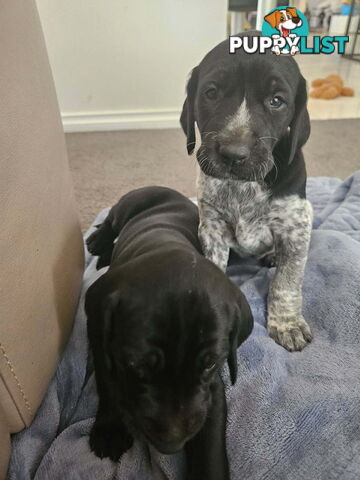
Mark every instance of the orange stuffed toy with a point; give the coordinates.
(330, 87)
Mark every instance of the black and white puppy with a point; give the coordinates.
(251, 112)
(161, 323)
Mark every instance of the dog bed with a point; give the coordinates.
(292, 416)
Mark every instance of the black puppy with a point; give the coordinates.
(161, 322)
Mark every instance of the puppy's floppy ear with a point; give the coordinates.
(100, 306)
(300, 124)
(273, 18)
(241, 329)
(292, 11)
(187, 119)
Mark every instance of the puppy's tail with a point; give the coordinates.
(101, 243)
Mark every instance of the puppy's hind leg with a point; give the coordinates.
(101, 243)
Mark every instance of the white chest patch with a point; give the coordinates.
(245, 207)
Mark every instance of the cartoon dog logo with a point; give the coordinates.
(284, 20)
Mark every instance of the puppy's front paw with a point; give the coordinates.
(293, 333)
(276, 50)
(106, 441)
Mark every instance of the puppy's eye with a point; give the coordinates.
(208, 364)
(211, 93)
(209, 368)
(276, 102)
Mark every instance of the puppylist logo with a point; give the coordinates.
(285, 31)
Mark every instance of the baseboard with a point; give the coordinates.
(121, 120)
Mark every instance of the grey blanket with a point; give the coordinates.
(292, 416)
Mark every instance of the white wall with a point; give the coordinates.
(122, 64)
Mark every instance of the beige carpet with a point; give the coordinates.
(105, 165)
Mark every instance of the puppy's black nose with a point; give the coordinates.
(296, 19)
(234, 153)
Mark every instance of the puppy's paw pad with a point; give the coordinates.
(109, 442)
(292, 333)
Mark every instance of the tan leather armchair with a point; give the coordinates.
(41, 248)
